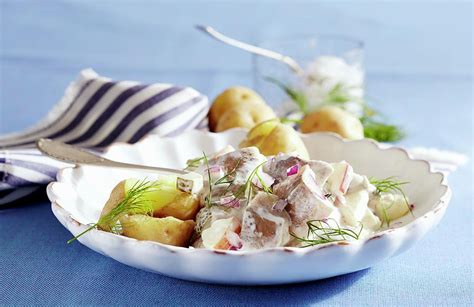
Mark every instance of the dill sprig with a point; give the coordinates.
(388, 185)
(227, 178)
(286, 120)
(265, 187)
(374, 127)
(133, 203)
(379, 131)
(192, 164)
(321, 232)
(246, 189)
(337, 95)
(208, 198)
(298, 97)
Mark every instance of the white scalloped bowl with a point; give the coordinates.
(80, 193)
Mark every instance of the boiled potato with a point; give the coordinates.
(238, 107)
(333, 119)
(116, 196)
(184, 207)
(167, 230)
(272, 137)
(165, 199)
(257, 135)
(237, 96)
(389, 207)
(244, 117)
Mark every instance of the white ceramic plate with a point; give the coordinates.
(80, 193)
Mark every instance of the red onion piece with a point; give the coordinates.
(293, 170)
(230, 201)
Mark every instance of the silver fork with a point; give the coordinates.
(73, 154)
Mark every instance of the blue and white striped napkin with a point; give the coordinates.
(95, 112)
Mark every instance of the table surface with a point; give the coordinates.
(420, 68)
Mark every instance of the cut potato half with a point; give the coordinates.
(167, 230)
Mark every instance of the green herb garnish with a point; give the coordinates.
(247, 187)
(321, 232)
(209, 196)
(298, 97)
(192, 164)
(285, 120)
(337, 95)
(388, 185)
(227, 178)
(133, 203)
(373, 128)
(381, 132)
(265, 187)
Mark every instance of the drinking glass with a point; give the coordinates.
(331, 62)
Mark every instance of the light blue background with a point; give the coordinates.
(418, 63)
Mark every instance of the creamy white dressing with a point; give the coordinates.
(331, 194)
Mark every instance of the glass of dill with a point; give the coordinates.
(334, 72)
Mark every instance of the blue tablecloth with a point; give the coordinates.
(419, 63)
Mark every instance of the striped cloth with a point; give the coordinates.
(95, 112)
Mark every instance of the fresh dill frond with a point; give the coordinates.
(380, 131)
(337, 95)
(246, 188)
(385, 216)
(265, 187)
(132, 203)
(227, 178)
(285, 120)
(208, 198)
(296, 96)
(193, 164)
(388, 185)
(374, 126)
(321, 232)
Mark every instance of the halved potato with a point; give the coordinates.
(165, 199)
(167, 230)
(116, 196)
(272, 137)
(184, 207)
(259, 133)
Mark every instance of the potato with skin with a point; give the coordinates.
(272, 137)
(165, 199)
(184, 207)
(238, 107)
(237, 96)
(333, 119)
(168, 230)
(257, 134)
(244, 117)
(116, 196)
